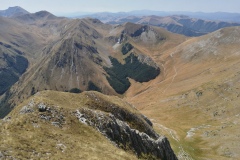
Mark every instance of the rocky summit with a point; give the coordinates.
(57, 124)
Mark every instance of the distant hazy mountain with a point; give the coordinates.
(35, 17)
(186, 23)
(177, 24)
(13, 11)
(216, 16)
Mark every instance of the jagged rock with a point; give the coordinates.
(29, 108)
(26, 109)
(118, 131)
(134, 120)
(42, 107)
(1, 156)
(51, 114)
(114, 118)
(6, 119)
(147, 60)
(147, 120)
(80, 117)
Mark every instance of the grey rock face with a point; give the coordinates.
(42, 107)
(119, 132)
(136, 121)
(26, 109)
(29, 108)
(122, 125)
(1, 155)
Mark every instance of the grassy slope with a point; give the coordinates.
(27, 136)
(197, 93)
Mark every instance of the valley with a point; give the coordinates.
(198, 99)
(156, 87)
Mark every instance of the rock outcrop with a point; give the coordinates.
(114, 118)
(126, 137)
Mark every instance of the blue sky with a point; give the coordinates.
(71, 6)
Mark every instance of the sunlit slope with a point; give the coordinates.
(90, 125)
(90, 55)
(28, 133)
(196, 99)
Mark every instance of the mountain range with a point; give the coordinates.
(186, 84)
(180, 24)
(214, 16)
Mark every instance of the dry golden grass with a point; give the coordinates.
(195, 101)
(26, 136)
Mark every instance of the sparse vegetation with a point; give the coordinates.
(77, 141)
(52, 130)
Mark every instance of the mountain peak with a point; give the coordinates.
(15, 7)
(33, 17)
(42, 14)
(13, 11)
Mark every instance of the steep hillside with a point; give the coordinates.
(76, 55)
(195, 100)
(178, 24)
(12, 65)
(90, 55)
(19, 46)
(213, 16)
(58, 125)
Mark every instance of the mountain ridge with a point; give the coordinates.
(90, 112)
(76, 55)
(199, 86)
(178, 24)
(13, 11)
(213, 16)
(193, 99)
